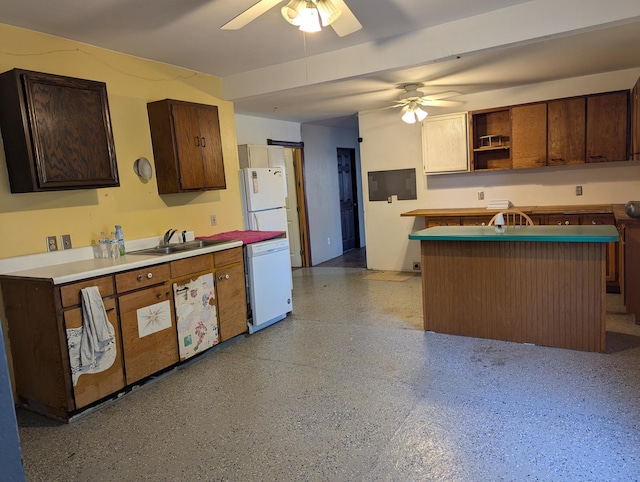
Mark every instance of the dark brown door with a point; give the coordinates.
(566, 131)
(529, 135)
(348, 205)
(607, 127)
(631, 272)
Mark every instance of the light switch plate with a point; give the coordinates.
(52, 243)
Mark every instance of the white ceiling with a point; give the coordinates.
(270, 69)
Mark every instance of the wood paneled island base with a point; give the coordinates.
(549, 293)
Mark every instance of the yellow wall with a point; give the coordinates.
(26, 219)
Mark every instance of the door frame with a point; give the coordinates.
(354, 191)
(301, 196)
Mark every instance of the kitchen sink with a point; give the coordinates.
(178, 247)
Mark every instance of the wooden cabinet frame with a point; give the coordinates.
(57, 132)
(187, 146)
(574, 130)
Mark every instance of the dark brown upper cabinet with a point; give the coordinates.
(490, 139)
(566, 131)
(56, 132)
(635, 122)
(187, 146)
(529, 135)
(607, 126)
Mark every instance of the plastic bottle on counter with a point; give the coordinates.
(114, 248)
(120, 238)
(104, 245)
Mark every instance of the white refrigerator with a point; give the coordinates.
(268, 263)
(264, 199)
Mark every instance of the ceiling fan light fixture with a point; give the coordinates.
(420, 114)
(407, 115)
(310, 19)
(329, 13)
(308, 14)
(412, 113)
(291, 11)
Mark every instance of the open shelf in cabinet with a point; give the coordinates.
(490, 139)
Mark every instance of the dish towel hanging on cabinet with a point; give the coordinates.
(92, 347)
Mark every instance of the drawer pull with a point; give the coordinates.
(141, 277)
(226, 276)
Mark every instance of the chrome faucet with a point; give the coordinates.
(167, 236)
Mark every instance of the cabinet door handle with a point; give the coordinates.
(556, 159)
(197, 141)
(204, 142)
(110, 310)
(221, 277)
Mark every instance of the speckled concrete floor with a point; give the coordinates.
(349, 388)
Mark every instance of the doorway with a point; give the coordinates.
(297, 219)
(348, 198)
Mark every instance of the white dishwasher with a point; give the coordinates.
(269, 282)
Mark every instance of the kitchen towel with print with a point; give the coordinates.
(92, 347)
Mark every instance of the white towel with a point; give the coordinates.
(97, 332)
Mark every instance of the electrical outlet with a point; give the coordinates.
(578, 190)
(214, 221)
(65, 241)
(416, 265)
(52, 243)
(328, 240)
(480, 195)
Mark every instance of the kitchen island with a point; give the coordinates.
(543, 285)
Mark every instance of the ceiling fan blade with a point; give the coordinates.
(439, 103)
(250, 14)
(347, 22)
(442, 95)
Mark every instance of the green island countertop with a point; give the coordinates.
(551, 233)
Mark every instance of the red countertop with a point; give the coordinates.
(247, 237)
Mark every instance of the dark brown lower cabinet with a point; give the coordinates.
(632, 270)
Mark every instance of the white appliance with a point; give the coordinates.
(268, 263)
(264, 198)
(269, 281)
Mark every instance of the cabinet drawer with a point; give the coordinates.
(141, 278)
(195, 264)
(228, 256)
(70, 293)
(476, 221)
(563, 219)
(443, 222)
(595, 219)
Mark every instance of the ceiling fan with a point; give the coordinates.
(412, 100)
(305, 14)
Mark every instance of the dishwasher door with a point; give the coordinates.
(270, 282)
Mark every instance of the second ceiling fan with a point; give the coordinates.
(412, 100)
(305, 14)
